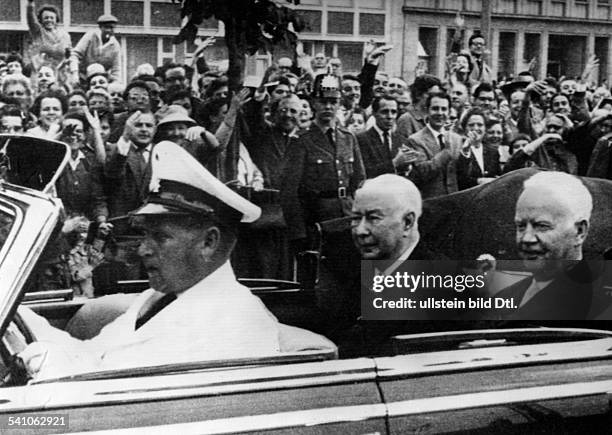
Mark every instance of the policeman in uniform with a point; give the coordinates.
(323, 168)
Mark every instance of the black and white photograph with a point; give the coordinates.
(372, 217)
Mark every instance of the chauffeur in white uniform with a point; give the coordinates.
(196, 310)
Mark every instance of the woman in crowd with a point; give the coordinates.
(45, 79)
(479, 162)
(356, 120)
(49, 107)
(49, 44)
(495, 137)
(17, 86)
(77, 100)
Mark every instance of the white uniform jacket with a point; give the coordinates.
(218, 318)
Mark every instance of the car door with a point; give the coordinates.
(318, 397)
(556, 387)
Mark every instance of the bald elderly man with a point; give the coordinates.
(385, 220)
(552, 222)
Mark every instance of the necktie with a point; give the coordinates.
(330, 136)
(156, 308)
(441, 141)
(387, 141)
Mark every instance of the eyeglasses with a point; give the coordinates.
(138, 97)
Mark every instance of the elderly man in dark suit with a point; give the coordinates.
(552, 222)
(380, 144)
(435, 150)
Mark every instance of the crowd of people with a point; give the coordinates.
(299, 144)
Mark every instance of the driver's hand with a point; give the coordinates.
(46, 360)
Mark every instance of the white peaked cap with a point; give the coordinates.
(181, 185)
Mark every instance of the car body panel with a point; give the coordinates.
(212, 394)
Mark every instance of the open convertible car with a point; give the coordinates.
(519, 380)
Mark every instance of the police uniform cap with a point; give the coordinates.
(180, 185)
(326, 86)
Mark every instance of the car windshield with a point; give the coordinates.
(6, 223)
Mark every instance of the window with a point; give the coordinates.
(129, 13)
(507, 49)
(10, 10)
(342, 3)
(558, 8)
(533, 7)
(140, 49)
(165, 15)
(351, 55)
(340, 23)
(86, 12)
(371, 4)
(313, 21)
(371, 24)
(6, 223)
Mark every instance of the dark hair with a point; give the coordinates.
(8, 100)
(58, 95)
(13, 110)
(493, 120)
(442, 95)
(106, 114)
(49, 8)
(356, 111)
(136, 84)
(519, 136)
(376, 102)
(469, 61)
(474, 111)
(178, 94)
(146, 78)
(14, 57)
(281, 79)
(555, 96)
(351, 77)
(216, 85)
(421, 85)
(79, 115)
(475, 35)
(484, 87)
(77, 92)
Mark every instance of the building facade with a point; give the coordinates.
(559, 34)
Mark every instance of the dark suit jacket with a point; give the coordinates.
(600, 164)
(468, 170)
(82, 190)
(128, 181)
(436, 173)
(267, 145)
(377, 158)
(567, 297)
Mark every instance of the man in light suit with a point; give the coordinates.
(436, 151)
(195, 310)
(381, 143)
